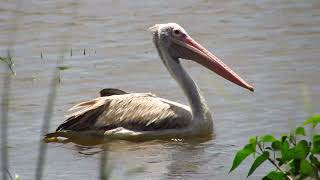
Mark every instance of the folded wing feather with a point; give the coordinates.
(136, 111)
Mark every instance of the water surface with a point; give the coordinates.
(272, 44)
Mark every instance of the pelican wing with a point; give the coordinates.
(136, 111)
(111, 91)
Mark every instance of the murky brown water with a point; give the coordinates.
(272, 44)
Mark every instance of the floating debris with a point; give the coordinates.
(63, 67)
(59, 79)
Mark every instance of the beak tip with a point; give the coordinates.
(251, 88)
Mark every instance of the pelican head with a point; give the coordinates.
(174, 43)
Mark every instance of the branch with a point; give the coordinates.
(275, 164)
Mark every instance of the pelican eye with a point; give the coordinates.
(177, 33)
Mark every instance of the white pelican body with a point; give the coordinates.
(143, 115)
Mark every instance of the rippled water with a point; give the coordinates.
(272, 44)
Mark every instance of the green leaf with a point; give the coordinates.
(241, 155)
(275, 175)
(314, 120)
(280, 160)
(292, 139)
(306, 168)
(316, 144)
(294, 166)
(301, 150)
(292, 154)
(276, 145)
(63, 67)
(259, 160)
(300, 131)
(284, 151)
(267, 138)
(314, 161)
(284, 138)
(253, 140)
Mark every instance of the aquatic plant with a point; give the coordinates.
(9, 61)
(294, 155)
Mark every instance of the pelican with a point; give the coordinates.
(121, 115)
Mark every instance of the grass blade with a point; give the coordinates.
(46, 123)
(4, 124)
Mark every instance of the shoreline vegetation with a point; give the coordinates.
(294, 155)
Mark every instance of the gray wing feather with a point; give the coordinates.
(140, 112)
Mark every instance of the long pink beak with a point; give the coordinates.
(190, 49)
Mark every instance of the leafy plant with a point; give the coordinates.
(9, 61)
(294, 156)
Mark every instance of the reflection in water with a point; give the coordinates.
(186, 160)
(78, 139)
(92, 138)
(192, 159)
(89, 150)
(184, 156)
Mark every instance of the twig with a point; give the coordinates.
(275, 164)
